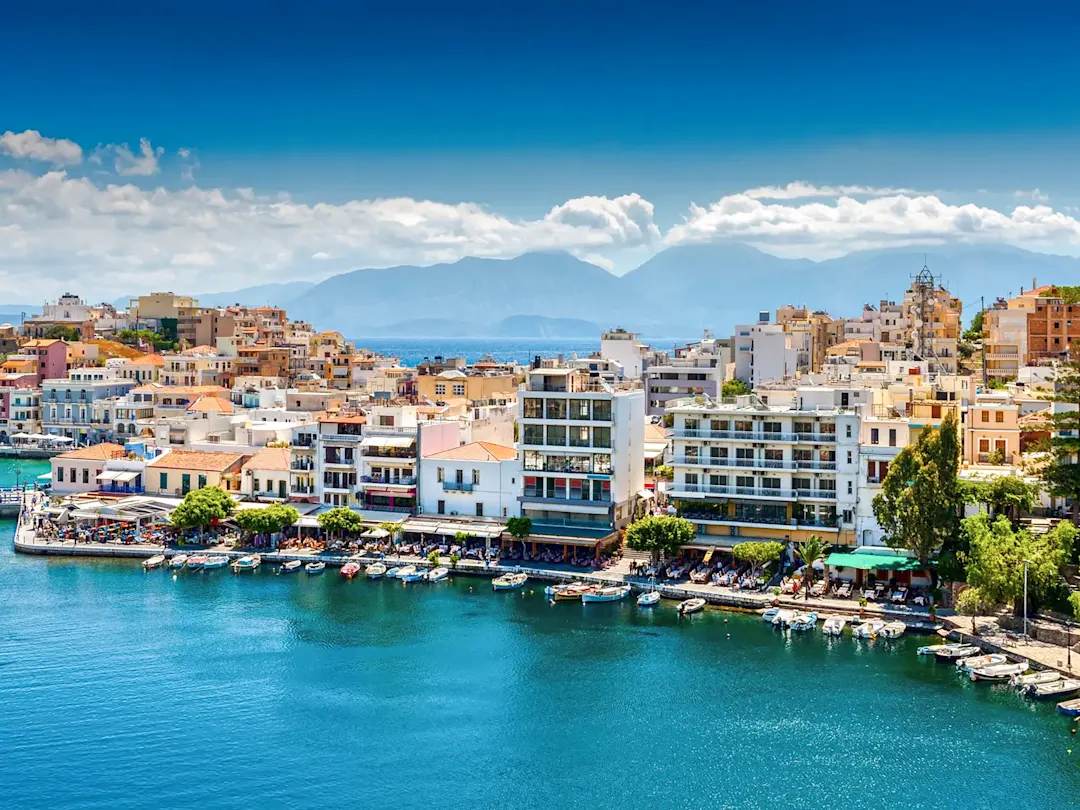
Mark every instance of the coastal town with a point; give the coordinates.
(740, 470)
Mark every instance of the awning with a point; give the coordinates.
(107, 475)
(874, 561)
(420, 526)
(388, 441)
(471, 529)
(126, 476)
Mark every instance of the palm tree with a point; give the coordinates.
(809, 551)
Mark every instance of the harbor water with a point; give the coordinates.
(124, 689)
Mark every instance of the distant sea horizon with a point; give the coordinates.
(411, 351)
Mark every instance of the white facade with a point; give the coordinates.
(624, 348)
(581, 444)
(764, 352)
(881, 438)
(462, 483)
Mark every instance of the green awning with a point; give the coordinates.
(875, 561)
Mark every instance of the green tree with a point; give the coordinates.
(808, 551)
(341, 521)
(1003, 495)
(757, 553)
(433, 557)
(454, 559)
(60, 332)
(519, 528)
(733, 388)
(660, 535)
(664, 472)
(1061, 472)
(920, 501)
(201, 508)
(272, 519)
(996, 561)
(975, 332)
(971, 602)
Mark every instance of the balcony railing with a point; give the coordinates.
(817, 493)
(746, 463)
(815, 465)
(539, 498)
(457, 486)
(302, 466)
(302, 490)
(340, 461)
(403, 481)
(714, 489)
(391, 454)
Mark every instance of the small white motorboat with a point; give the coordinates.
(648, 599)
(834, 625)
(392, 573)
(611, 593)
(953, 652)
(508, 582)
(783, 618)
(179, 561)
(804, 621)
(1070, 708)
(248, 562)
(893, 629)
(977, 661)
(215, 561)
(376, 570)
(934, 649)
(999, 672)
(869, 629)
(437, 574)
(315, 567)
(769, 615)
(410, 573)
(1062, 687)
(289, 567)
(1034, 679)
(151, 563)
(196, 561)
(350, 569)
(688, 606)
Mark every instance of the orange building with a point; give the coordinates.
(1052, 327)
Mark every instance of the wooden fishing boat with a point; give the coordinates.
(507, 582)
(151, 563)
(688, 606)
(350, 569)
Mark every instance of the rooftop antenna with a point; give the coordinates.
(924, 288)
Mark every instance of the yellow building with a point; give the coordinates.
(476, 388)
(992, 435)
(158, 305)
(180, 471)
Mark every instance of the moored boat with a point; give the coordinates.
(315, 567)
(804, 621)
(439, 573)
(179, 561)
(1024, 681)
(151, 563)
(415, 575)
(392, 573)
(978, 661)
(783, 618)
(508, 582)
(769, 615)
(648, 599)
(893, 629)
(869, 629)
(610, 593)
(1070, 708)
(571, 592)
(376, 570)
(249, 562)
(688, 606)
(350, 569)
(1063, 687)
(999, 672)
(215, 561)
(196, 561)
(834, 625)
(289, 566)
(404, 571)
(952, 652)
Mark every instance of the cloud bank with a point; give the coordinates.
(104, 231)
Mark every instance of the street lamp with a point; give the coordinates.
(1026, 564)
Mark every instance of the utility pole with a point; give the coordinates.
(982, 302)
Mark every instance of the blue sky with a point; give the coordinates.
(518, 109)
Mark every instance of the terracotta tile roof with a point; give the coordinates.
(148, 360)
(477, 451)
(209, 403)
(345, 420)
(95, 452)
(1039, 291)
(195, 460)
(269, 458)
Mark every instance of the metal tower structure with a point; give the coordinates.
(924, 287)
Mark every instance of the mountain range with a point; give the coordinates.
(679, 291)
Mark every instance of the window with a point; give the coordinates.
(476, 478)
(440, 474)
(984, 445)
(691, 479)
(479, 509)
(579, 436)
(848, 456)
(771, 427)
(802, 483)
(60, 475)
(163, 481)
(185, 483)
(534, 434)
(601, 464)
(579, 409)
(892, 437)
(999, 416)
(440, 389)
(601, 410)
(847, 516)
(986, 416)
(459, 389)
(770, 483)
(254, 484)
(847, 431)
(744, 481)
(556, 409)
(85, 476)
(202, 483)
(601, 437)
(556, 435)
(533, 408)
(849, 488)
(440, 507)
(774, 454)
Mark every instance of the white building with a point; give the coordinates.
(883, 433)
(475, 480)
(744, 470)
(625, 349)
(581, 447)
(764, 352)
(67, 406)
(698, 368)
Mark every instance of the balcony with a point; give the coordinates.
(739, 435)
(743, 463)
(403, 481)
(339, 461)
(816, 438)
(301, 490)
(712, 489)
(302, 466)
(398, 455)
(542, 499)
(823, 494)
(457, 486)
(342, 438)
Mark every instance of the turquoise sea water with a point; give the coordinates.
(124, 689)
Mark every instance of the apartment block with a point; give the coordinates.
(1052, 328)
(67, 405)
(766, 351)
(479, 479)
(745, 470)
(697, 368)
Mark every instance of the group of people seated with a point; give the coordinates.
(580, 557)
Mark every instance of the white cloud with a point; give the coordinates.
(1034, 195)
(801, 190)
(189, 163)
(144, 164)
(32, 145)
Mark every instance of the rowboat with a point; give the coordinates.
(689, 606)
(1070, 708)
(952, 652)
(436, 574)
(179, 561)
(893, 629)
(196, 561)
(648, 599)
(1034, 679)
(769, 615)
(977, 661)
(804, 621)
(315, 567)
(611, 593)
(289, 567)
(935, 649)
(247, 563)
(375, 570)
(508, 582)
(999, 672)
(405, 575)
(350, 569)
(869, 629)
(215, 561)
(153, 562)
(402, 572)
(571, 592)
(392, 573)
(1055, 689)
(834, 625)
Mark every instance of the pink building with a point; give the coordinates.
(51, 358)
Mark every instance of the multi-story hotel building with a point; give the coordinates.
(749, 471)
(581, 444)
